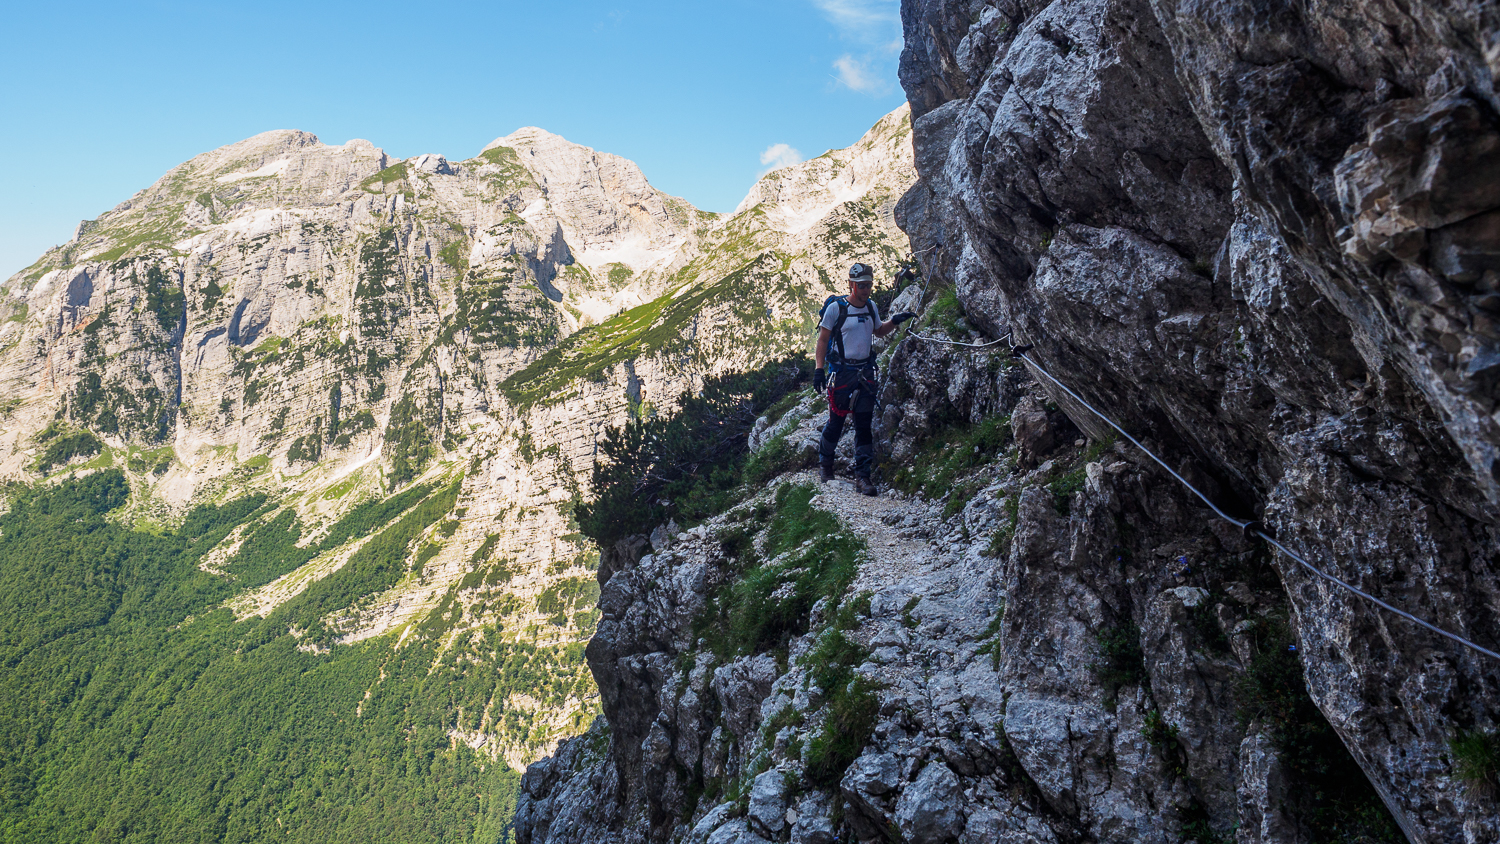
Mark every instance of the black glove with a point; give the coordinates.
(902, 317)
(820, 380)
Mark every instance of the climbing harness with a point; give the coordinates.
(863, 384)
(1249, 527)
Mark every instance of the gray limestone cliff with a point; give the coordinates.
(1263, 239)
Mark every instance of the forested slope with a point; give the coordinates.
(135, 708)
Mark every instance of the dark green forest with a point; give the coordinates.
(132, 709)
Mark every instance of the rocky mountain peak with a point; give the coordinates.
(328, 327)
(796, 196)
(605, 204)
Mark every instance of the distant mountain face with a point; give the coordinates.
(280, 297)
(325, 327)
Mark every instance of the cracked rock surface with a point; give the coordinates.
(1264, 243)
(1262, 240)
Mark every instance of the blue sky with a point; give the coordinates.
(100, 99)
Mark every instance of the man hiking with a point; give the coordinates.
(848, 326)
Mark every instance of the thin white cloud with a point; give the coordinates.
(874, 27)
(863, 20)
(777, 156)
(858, 76)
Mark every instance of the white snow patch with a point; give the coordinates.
(796, 218)
(275, 168)
(635, 253)
(262, 221)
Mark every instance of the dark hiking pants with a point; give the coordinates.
(851, 393)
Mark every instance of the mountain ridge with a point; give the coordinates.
(325, 331)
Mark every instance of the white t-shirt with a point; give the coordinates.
(859, 328)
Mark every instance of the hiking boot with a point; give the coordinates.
(864, 486)
(825, 473)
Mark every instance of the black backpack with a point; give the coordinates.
(836, 341)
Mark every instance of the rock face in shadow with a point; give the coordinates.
(1263, 238)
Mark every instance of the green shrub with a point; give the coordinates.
(561, 598)
(1000, 540)
(695, 458)
(1121, 660)
(409, 441)
(164, 299)
(1064, 487)
(851, 715)
(744, 616)
(1206, 622)
(773, 459)
(305, 449)
(377, 182)
(907, 619)
(787, 716)
(947, 455)
(212, 293)
(991, 637)
(738, 543)
(455, 255)
(833, 660)
(1161, 734)
(945, 312)
(1335, 799)
(1476, 759)
(427, 552)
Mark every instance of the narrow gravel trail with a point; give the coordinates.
(913, 554)
(893, 557)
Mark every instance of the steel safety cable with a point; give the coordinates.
(1241, 523)
(919, 336)
(1371, 598)
(911, 330)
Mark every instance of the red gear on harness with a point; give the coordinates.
(833, 405)
(860, 384)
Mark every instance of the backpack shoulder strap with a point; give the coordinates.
(837, 353)
(826, 302)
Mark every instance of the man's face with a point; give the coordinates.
(859, 291)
